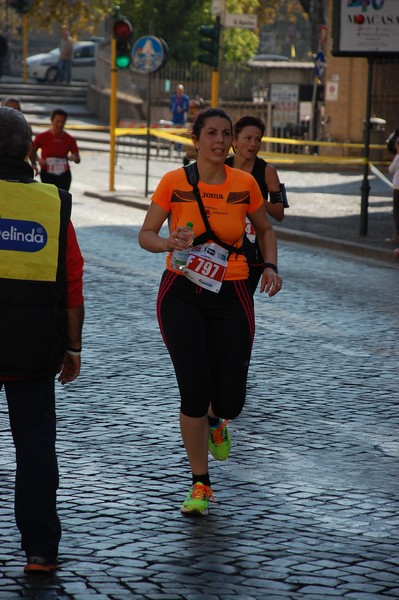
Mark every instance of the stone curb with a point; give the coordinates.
(312, 239)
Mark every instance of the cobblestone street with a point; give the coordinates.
(307, 504)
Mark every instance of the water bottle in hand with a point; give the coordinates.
(179, 257)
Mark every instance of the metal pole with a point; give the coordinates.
(113, 104)
(215, 73)
(365, 187)
(25, 47)
(269, 125)
(147, 164)
(313, 116)
(215, 88)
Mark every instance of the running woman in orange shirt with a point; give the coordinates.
(210, 300)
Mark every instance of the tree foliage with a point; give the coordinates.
(76, 15)
(177, 21)
(241, 44)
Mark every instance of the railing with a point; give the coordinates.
(236, 82)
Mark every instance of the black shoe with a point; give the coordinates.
(40, 564)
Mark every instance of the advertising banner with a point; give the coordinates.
(366, 28)
(285, 100)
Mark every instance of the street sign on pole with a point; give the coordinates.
(149, 54)
(240, 21)
(217, 7)
(319, 63)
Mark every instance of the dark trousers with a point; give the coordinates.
(396, 210)
(62, 181)
(209, 337)
(31, 406)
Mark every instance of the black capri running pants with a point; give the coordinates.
(209, 338)
(62, 181)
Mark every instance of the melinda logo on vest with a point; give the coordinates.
(22, 236)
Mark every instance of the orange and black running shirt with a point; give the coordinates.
(226, 205)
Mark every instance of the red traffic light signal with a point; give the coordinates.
(122, 30)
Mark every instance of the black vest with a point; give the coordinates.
(33, 313)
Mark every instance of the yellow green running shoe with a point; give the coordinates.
(219, 442)
(197, 501)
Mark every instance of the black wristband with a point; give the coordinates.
(276, 197)
(267, 265)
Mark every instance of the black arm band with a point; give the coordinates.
(267, 265)
(276, 197)
(284, 195)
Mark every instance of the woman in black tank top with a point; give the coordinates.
(248, 132)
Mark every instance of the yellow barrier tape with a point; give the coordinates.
(77, 127)
(311, 158)
(162, 134)
(319, 143)
(274, 157)
(177, 134)
(173, 136)
(120, 131)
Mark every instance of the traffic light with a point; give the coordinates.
(122, 31)
(211, 45)
(21, 6)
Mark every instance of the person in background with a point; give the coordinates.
(12, 102)
(178, 105)
(15, 103)
(58, 148)
(247, 138)
(194, 107)
(209, 305)
(42, 309)
(66, 56)
(394, 171)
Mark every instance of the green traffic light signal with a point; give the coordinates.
(122, 62)
(210, 45)
(122, 30)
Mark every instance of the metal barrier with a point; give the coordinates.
(132, 138)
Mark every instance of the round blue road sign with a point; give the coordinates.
(148, 54)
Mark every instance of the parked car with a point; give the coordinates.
(43, 67)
